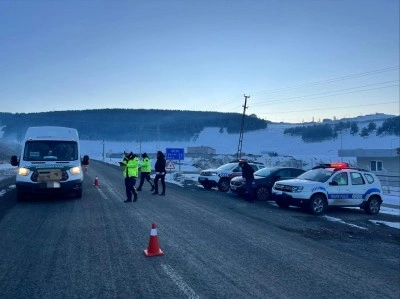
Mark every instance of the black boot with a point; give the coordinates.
(155, 188)
(152, 186)
(162, 193)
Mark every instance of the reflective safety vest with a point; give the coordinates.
(145, 165)
(131, 167)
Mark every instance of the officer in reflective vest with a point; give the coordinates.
(130, 166)
(145, 170)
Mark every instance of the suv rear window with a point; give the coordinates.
(369, 178)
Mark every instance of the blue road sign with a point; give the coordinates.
(174, 154)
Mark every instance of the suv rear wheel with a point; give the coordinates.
(373, 206)
(223, 185)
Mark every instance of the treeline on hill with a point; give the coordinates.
(321, 132)
(131, 124)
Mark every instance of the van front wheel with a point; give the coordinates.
(78, 194)
(20, 195)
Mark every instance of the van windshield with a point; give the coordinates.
(46, 150)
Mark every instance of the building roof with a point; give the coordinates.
(370, 153)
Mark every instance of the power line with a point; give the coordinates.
(328, 92)
(374, 72)
(332, 95)
(319, 109)
(309, 84)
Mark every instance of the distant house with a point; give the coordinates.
(201, 150)
(380, 161)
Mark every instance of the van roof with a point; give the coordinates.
(51, 133)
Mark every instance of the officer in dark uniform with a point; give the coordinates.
(159, 167)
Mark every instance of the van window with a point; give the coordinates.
(46, 150)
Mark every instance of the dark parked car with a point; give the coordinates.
(221, 176)
(264, 179)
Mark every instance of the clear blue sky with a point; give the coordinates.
(297, 59)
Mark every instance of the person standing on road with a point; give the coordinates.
(160, 172)
(145, 170)
(248, 177)
(130, 165)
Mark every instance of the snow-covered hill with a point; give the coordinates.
(260, 143)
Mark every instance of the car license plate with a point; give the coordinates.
(53, 185)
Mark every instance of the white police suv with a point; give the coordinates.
(331, 185)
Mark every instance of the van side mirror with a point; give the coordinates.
(85, 160)
(14, 161)
(334, 183)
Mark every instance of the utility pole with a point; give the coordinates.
(239, 151)
(104, 152)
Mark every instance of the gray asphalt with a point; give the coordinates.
(215, 246)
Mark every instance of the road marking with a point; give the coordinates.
(110, 188)
(182, 285)
(102, 193)
(391, 224)
(333, 219)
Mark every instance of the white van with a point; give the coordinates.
(50, 162)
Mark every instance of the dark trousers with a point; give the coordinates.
(249, 190)
(145, 176)
(130, 189)
(158, 177)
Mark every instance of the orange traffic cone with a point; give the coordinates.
(153, 248)
(96, 181)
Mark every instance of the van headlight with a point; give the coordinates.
(23, 171)
(75, 170)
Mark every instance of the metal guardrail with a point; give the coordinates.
(390, 184)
